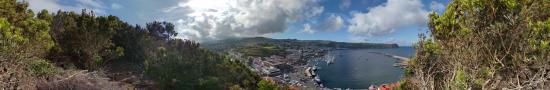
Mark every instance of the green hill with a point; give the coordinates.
(68, 50)
(222, 45)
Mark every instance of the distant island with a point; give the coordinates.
(226, 44)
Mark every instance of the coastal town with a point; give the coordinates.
(296, 67)
(288, 62)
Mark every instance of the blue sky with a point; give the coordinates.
(379, 21)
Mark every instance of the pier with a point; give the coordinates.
(402, 61)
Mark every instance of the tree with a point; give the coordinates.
(161, 30)
(34, 46)
(44, 15)
(23, 40)
(266, 85)
(181, 64)
(84, 39)
(485, 44)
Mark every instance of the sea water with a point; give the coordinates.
(358, 69)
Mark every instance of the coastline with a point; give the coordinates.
(400, 62)
(302, 60)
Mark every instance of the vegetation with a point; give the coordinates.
(262, 50)
(42, 68)
(84, 40)
(192, 68)
(484, 44)
(68, 50)
(228, 44)
(266, 85)
(23, 39)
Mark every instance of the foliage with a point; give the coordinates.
(42, 68)
(23, 39)
(32, 47)
(187, 67)
(84, 39)
(484, 44)
(161, 30)
(262, 50)
(266, 85)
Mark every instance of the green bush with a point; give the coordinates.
(266, 85)
(461, 80)
(484, 44)
(42, 67)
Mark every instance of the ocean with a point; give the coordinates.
(358, 69)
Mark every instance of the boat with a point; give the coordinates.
(317, 79)
(329, 59)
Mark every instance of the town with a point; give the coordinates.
(295, 68)
(287, 62)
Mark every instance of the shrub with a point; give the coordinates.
(485, 44)
(81, 80)
(42, 67)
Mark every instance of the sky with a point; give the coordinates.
(376, 21)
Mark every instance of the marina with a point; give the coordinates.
(360, 69)
(332, 68)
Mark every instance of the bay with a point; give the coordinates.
(358, 69)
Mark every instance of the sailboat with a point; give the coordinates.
(329, 59)
(317, 80)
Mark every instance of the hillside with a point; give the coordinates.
(484, 45)
(81, 51)
(222, 45)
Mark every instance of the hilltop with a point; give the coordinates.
(223, 45)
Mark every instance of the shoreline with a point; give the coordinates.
(401, 62)
(305, 74)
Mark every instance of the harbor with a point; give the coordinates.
(325, 68)
(401, 61)
(360, 69)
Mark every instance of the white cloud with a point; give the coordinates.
(386, 18)
(331, 23)
(345, 4)
(53, 5)
(307, 29)
(218, 19)
(38, 5)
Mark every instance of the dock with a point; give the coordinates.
(402, 61)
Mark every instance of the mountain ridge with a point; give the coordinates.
(225, 44)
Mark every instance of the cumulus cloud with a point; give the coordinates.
(219, 19)
(331, 23)
(386, 18)
(54, 5)
(345, 4)
(307, 29)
